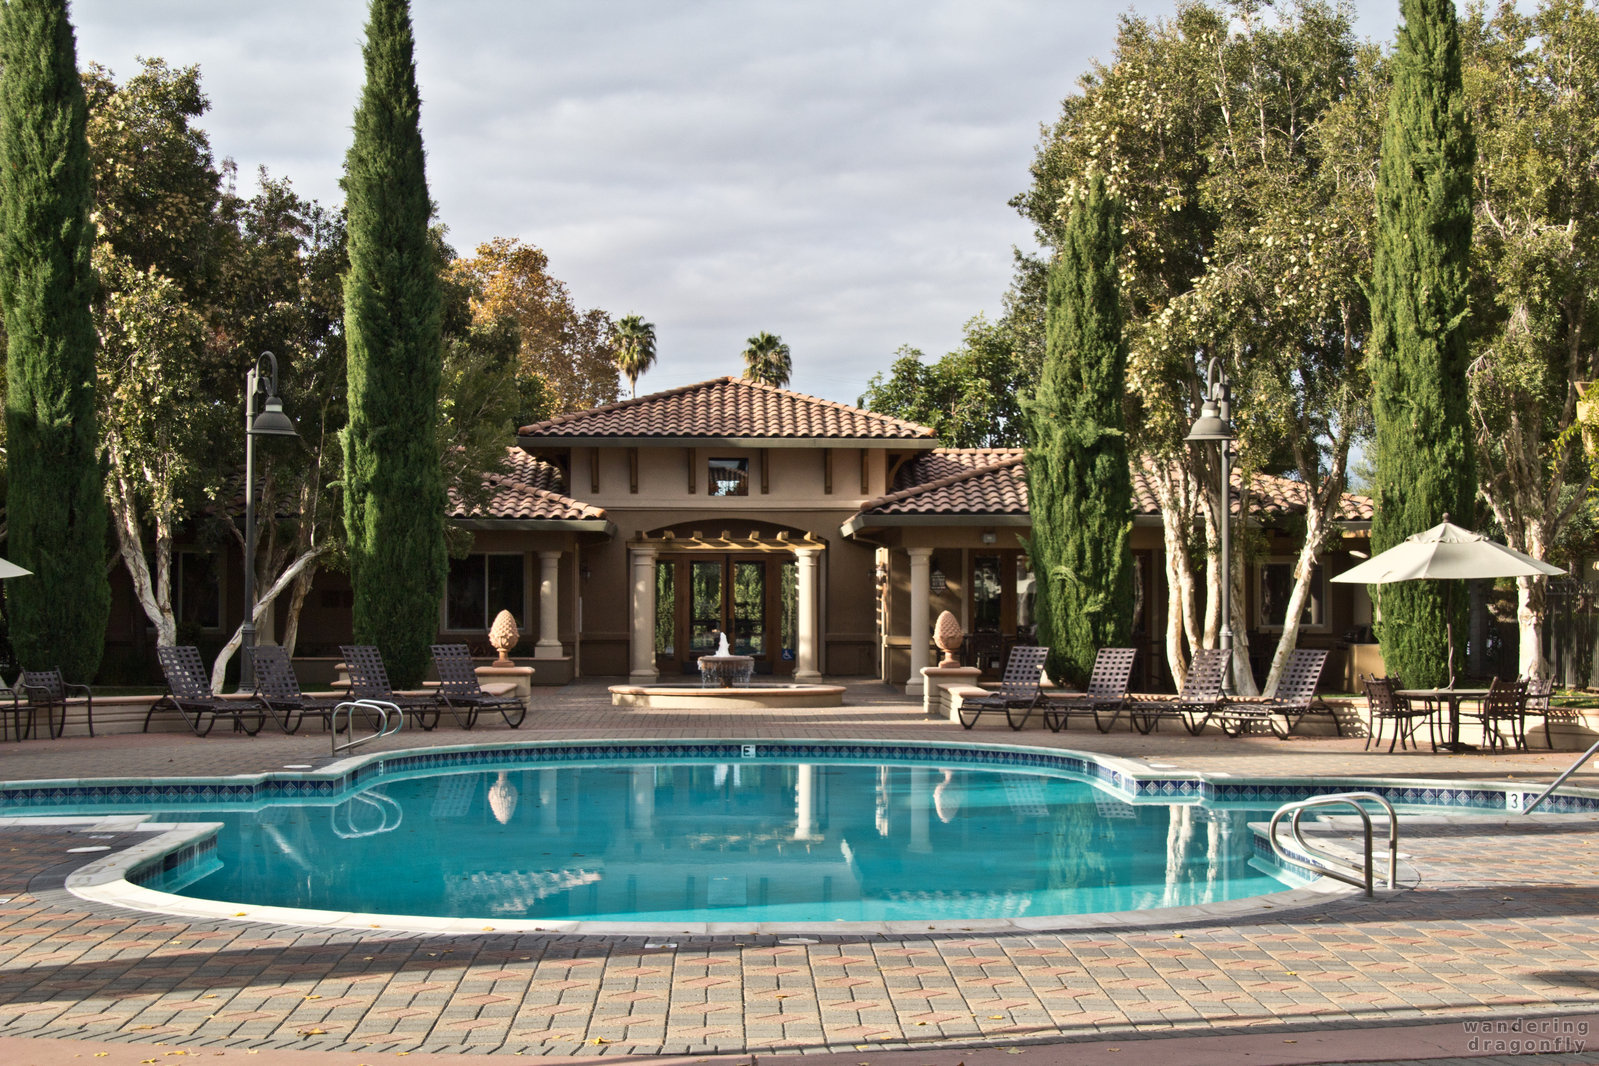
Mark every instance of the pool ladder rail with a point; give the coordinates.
(1324, 862)
(389, 716)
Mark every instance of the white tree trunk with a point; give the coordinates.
(1304, 567)
(155, 598)
(1171, 484)
(219, 670)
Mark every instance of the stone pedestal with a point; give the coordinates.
(935, 700)
(518, 678)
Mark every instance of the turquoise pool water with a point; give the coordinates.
(727, 842)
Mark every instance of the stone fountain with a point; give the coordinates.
(724, 668)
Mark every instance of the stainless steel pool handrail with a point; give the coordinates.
(1529, 808)
(1337, 867)
(385, 712)
(384, 805)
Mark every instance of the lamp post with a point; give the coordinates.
(1215, 424)
(271, 422)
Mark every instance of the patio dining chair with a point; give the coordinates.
(47, 691)
(460, 690)
(1505, 706)
(1384, 704)
(189, 693)
(369, 680)
(1540, 692)
(278, 690)
(1200, 698)
(1106, 694)
(1020, 689)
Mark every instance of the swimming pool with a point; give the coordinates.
(708, 833)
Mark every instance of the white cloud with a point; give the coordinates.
(836, 172)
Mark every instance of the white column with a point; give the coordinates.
(921, 629)
(808, 636)
(921, 799)
(643, 671)
(805, 802)
(549, 645)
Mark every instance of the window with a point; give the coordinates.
(729, 477)
(479, 588)
(199, 589)
(985, 594)
(1277, 584)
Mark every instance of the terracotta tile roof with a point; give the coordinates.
(978, 481)
(728, 409)
(529, 489)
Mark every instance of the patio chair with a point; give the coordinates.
(1505, 705)
(1540, 690)
(189, 693)
(1296, 697)
(1020, 689)
(459, 688)
(369, 680)
(1106, 692)
(47, 691)
(1384, 704)
(278, 690)
(1200, 698)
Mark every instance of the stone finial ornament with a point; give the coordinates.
(502, 799)
(947, 635)
(503, 634)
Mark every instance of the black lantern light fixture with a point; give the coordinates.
(1215, 424)
(271, 422)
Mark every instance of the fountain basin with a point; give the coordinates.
(742, 698)
(726, 670)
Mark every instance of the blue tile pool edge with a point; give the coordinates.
(1127, 778)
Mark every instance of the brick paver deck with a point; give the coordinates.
(1502, 928)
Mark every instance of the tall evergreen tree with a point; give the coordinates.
(1079, 485)
(394, 486)
(1419, 335)
(56, 502)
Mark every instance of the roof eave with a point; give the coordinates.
(540, 525)
(535, 444)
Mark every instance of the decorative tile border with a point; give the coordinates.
(1128, 779)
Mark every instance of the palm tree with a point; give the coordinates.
(766, 359)
(635, 348)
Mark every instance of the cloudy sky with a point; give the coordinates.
(834, 172)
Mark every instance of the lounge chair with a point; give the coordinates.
(1296, 697)
(460, 691)
(369, 680)
(189, 693)
(278, 690)
(46, 690)
(1020, 689)
(1106, 692)
(1200, 698)
(1384, 704)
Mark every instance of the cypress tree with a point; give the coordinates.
(1079, 485)
(56, 499)
(1418, 337)
(394, 483)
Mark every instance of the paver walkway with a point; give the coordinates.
(1501, 931)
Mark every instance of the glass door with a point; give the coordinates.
(706, 618)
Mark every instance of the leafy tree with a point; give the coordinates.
(1079, 485)
(55, 507)
(767, 360)
(394, 487)
(635, 348)
(160, 377)
(1419, 330)
(571, 353)
(1532, 83)
(970, 397)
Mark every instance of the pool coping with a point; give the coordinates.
(113, 879)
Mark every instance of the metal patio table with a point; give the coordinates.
(1454, 697)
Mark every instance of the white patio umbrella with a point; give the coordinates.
(1446, 552)
(11, 569)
